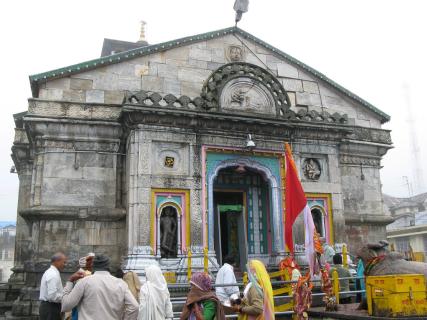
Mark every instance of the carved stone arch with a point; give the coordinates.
(274, 184)
(212, 88)
(173, 204)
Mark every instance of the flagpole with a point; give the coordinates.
(283, 173)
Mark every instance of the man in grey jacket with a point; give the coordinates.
(99, 296)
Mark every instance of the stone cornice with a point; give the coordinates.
(356, 219)
(74, 213)
(355, 159)
(226, 123)
(132, 115)
(73, 110)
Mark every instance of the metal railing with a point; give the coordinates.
(335, 280)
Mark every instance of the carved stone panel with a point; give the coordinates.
(170, 158)
(246, 95)
(235, 53)
(314, 168)
(311, 169)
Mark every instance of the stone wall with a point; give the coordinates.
(70, 183)
(147, 147)
(183, 70)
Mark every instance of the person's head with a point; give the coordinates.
(256, 270)
(58, 260)
(230, 259)
(154, 275)
(337, 258)
(89, 261)
(322, 240)
(260, 279)
(101, 263)
(86, 263)
(119, 274)
(201, 280)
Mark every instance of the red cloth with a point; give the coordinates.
(295, 199)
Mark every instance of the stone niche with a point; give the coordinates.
(314, 168)
(170, 158)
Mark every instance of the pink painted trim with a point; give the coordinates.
(269, 244)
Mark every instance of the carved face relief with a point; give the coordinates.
(245, 94)
(169, 162)
(235, 53)
(311, 169)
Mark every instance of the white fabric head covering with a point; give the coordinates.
(155, 278)
(154, 296)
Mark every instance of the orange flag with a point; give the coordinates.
(295, 200)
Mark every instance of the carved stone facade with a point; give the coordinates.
(107, 145)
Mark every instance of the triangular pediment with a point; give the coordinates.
(182, 67)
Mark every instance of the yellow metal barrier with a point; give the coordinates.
(245, 278)
(286, 290)
(170, 277)
(419, 256)
(189, 254)
(344, 256)
(205, 260)
(400, 295)
(336, 285)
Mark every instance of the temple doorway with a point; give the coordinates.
(241, 215)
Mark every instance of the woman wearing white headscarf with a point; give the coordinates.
(154, 298)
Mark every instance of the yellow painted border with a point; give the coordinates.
(186, 193)
(328, 198)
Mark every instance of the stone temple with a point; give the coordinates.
(154, 150)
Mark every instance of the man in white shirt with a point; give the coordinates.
(226, 275)
(51, 289)
(328, 251)
(100, 296)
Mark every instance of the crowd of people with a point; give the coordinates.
(94, 293)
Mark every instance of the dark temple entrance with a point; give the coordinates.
(241, 215)
(230, 227)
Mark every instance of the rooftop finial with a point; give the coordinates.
(142, 33)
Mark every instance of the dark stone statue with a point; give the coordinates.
(168, 234)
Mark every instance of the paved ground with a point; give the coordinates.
(349, 311)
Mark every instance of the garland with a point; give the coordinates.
(327, 288)
(372, 263)
(302, 297)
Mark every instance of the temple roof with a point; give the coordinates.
(143, 50)
(394, 203)
(112, 46)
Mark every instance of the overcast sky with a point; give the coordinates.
(372, 47)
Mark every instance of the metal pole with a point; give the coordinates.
(336, 285)
(189, 265)
(344, 256)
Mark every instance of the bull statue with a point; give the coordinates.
(379, 261)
